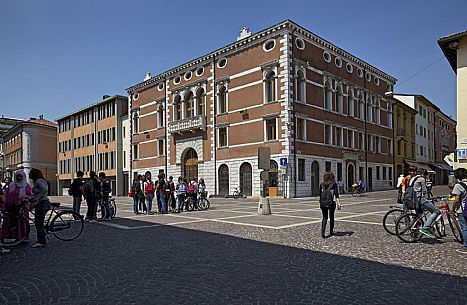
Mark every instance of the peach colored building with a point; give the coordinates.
(91, 139)
(316, 106)
(32, 144)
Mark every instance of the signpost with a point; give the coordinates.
(264, 161)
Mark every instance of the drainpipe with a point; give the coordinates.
(294, 121)
(166, 124)
(214, 120)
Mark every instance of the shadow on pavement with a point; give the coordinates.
(172, 265)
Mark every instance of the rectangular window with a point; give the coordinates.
(338, 140)
(160, 147)
(377, 173)
(271, 133)
(421, 150)
(328, 166)
(384, 172)
(327, 134)
(300, 129)
(135, 151)
(301, 169)
(223, 137)
(339, 171)
(390, 174)
(360, 173)
(124, 158)
(360, 141)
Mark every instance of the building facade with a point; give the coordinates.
(445, 145)
(5, 125)
(32, 144)
(404, 137)
(91, 139)
(315, 106)
(454, 48)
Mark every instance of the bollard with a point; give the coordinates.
(264, 208)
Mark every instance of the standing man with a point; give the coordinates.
(106, 189)
(419, 186)
(460, 200)
(91, 191)
(77, 191)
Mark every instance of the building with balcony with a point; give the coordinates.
(316, 106)
(454, 48)
(92, 139)
(445, 145)
(404, 137)
(32, 144)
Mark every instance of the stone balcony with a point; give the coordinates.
(188, 124)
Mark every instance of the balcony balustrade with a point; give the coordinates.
(188, 124)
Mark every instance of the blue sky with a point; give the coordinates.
(57, 56)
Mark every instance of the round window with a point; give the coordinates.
(360, 72)
(349, 67)
(338, 62)
(199, 71)
(188, 75)
(177, 80)
(135, 96)
(269, 45)
(368, 76)
(160, 87)
(300, 43)
(222, 63)
(327, 56)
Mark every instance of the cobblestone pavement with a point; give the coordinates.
(231, 255)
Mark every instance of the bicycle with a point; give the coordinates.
(203, 202)
(357, 190)
(101, 213)
(237, 193)
(65, 224)
(408, 225)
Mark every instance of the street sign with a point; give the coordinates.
(283, 162)
(462, 154)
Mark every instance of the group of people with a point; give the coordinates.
(18, 194)
(167, 193)
(418, 180)
(93, 190)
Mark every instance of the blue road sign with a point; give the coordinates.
(283, 162)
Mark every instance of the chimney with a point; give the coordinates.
(244, 33)
(147, 75)
(41, 117)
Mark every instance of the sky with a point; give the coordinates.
(58, 56)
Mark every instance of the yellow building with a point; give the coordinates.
(455, 49)
(404, 137)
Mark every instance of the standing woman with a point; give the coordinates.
(40, 191)
(148, 187)
(136, 191)
(328, 200)
(17, 192)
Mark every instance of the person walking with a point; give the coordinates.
(328, 201)
(91, 191)
(106, 189)
(77, 191)
(149, 191)
(136, 192)
(459, 207)
(42, 205)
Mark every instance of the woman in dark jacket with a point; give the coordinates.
(328, 200)
(42, 205)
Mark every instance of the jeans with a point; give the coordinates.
(430, 207)
(135, 203)
(325, 211)
(77, 204)
(180, 202)
(149, 199)
(463, 226)
(92, 207)
(106, 203)
(41, 210)
(163, 202)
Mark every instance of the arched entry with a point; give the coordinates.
(245, 179)
(273, 179)
(350, 176)
(223, 180)
(315, 178)
(190, 164)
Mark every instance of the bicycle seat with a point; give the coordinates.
(55, 204)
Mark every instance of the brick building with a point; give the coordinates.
(5, 125)
(92, 138)
(445, 144)
(32, 144)
(311, 102)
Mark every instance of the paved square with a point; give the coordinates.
(232, 255)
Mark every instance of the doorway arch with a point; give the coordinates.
(190, 164)
(246, 179)
(350, 176)
(223, 179)
(315, 178)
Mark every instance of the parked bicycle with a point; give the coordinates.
(102, 212)
(64, 224)
(203, 202)
(237, 193)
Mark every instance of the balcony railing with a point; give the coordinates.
(188, 124)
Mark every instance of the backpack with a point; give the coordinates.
(88, 189)
(106, 187)
(327, 196)
(162, 185)
(149, 188)
(409, 198)
(191, 188)
(70, 190)
(182, 188)
(463, 201)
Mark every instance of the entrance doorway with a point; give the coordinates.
(245, 179)
(315, 178)
(223, 180)
(190, 165)
(350, 176)
(370, 178)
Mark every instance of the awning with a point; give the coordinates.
(443, 166)
(419, 165)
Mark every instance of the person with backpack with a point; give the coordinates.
(77, 191)
(181, 194)
(42, 205)
(328, 201)
(162, 188)
(106, 189)
(142, 196)
(91, 191)
(149, 191)
(459, 207)
(429, 184)
(171, 193)
(136, 193)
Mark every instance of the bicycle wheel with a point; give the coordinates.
(203, 204)
(113, 207)
(12, 235)
(67, 225)
(389, 220)
(354, 193)
(101, 213)
(440, 228)
(456, 231)
(189, 204)
(408, 228)
(235, 195)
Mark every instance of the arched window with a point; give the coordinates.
(177, 108)
(339, 100)
(160, 116)
(362, 107)
(351, 104)
(135, 123)
(222, 99)
(270, 86)
(189, 105)
(300, 87)
(328, 96)
(200, 101)
(273, 173)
